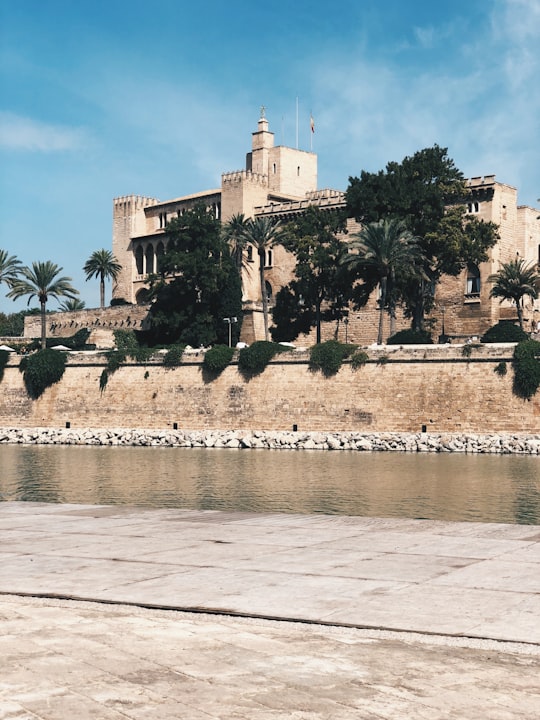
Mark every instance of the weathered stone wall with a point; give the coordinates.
(100, 321)
(435, 387)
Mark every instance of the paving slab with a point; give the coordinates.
(65, 659)
(468, 579)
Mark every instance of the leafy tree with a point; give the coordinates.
(426, 191)
(102, 264)
(199, 285)
(263, 233)
(12, 324)
(72, 304)
(387, 253)
(321, 278)
(42, 281)
(514, 281)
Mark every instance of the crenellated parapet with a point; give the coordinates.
(244, 176)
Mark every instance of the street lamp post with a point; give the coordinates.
(230, 321)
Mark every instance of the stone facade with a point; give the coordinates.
(281, 182)
(431, 387)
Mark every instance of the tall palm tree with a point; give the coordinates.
(514, 281)
(263, 233)
(234, 234)
(102, 264)
(9, 267)
(42, 281)
(385, 251)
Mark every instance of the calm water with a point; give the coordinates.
(449, 487)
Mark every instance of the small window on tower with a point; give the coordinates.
(298, 171)
(274, 168)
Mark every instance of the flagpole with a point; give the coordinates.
(310, 131)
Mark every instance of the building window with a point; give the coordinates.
(139, 260)
(274, 168)
(298, 171)
(268, 259)
(473, 281)
(268, 289)
(149, 256)
(250, 253)
(160, 252)
(473, 207)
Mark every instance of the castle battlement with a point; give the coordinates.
(481, 181)
(137, 200)
(239, 176)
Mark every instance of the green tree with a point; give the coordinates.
(387, 253)
(514, 281)
(199, 285)
(263, 233)
(234, 233)
(102, 264)
(321, 278)
(72, 304)
(9, 268)
(42, 281)
(427, 192)
(12, 324)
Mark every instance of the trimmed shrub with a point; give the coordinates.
(328, 356)
(217, 358)
(127, 343)
(410, 337)
(119, 301)
(173, 356)
(359, 359)
(42, 369)
(4, 357)
(253, 359)
(504, 331)
(527, 368)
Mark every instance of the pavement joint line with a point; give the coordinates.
(221, 612)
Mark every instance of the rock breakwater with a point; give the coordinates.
(279, 440)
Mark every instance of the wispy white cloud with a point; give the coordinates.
(483, 105)
(27, 134)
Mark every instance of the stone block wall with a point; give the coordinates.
(434, 387)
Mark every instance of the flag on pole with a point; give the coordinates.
(312, 123)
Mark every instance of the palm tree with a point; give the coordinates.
(72, 304)
(102, 264)
(514, 281)
(234, 234)
(263, 233)
(42, 281)
(385, 250)
(9, 267)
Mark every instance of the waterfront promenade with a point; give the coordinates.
(114, 612)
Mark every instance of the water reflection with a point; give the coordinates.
(452, 487)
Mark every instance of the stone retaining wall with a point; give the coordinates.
(405, 442)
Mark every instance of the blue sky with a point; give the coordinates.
(102, 98)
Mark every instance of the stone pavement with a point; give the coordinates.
(464, 596)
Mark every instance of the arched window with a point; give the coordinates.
(268, 289)
(160, 252)
(149, 257)
(250, 253)
(473, 281)
(139, 260)
(142, 297)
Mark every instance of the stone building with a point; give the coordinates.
(279, 182)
